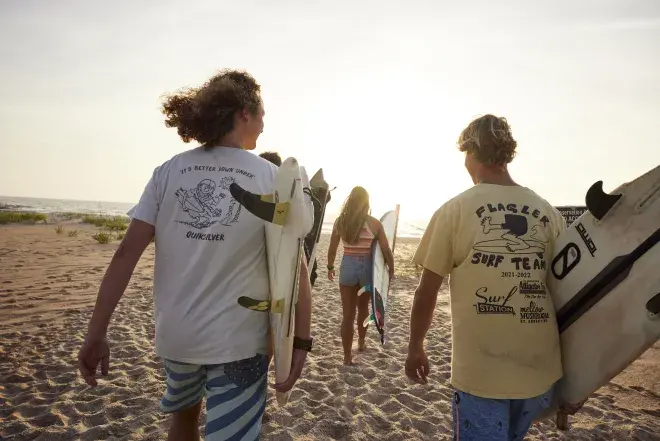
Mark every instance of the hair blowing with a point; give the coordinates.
(489, 140)
(272, 157)
(206, 113)
(353, 214)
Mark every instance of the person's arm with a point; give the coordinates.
(118, 275)
(303, 326)
(138, 236)
(385, 247)
(334, 244)
(423, 307)
(302, 329)
(435, 254)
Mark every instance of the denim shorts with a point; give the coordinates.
(355, 271)
(477, 418)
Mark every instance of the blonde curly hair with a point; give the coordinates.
(489, 140)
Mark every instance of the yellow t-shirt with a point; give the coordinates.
(496, 243)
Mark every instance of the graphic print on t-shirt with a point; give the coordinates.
(516, 252)
(209, 202)
(513, 236)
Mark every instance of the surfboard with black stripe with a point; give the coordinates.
(604, 280)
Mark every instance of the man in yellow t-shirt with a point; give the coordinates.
(494, 242)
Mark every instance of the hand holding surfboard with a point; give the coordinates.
(289, 216)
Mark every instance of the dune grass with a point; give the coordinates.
(73, 233)
(112, 223)
(21, 217)
(102, 237)
(68, 215)
(59, 229)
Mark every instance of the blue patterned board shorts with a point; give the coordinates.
(235, 395)
(355, 270)
(488, 419)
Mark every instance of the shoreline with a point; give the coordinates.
(48, 287)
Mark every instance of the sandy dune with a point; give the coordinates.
(48, 284)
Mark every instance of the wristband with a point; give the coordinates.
(302, 343)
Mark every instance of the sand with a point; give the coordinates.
(48, 285)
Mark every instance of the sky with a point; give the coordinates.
(375, 92)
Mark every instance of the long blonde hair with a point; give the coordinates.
(353, 215)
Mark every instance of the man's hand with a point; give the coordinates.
(297, 363)
(417, 365)
(93, 352)
(331, 275)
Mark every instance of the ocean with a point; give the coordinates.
(41, 205)
(412, 228)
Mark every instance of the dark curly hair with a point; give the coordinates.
(489, 140)
(273, 157)
(206, 114)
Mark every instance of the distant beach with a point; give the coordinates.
(406, 228)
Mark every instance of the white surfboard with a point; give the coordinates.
(289, 215)
(380, 285)
(605, 283)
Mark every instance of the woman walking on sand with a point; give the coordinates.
(357, 231)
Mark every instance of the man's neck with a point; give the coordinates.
(230, 140)
(496, 177)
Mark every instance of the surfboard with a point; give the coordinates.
(321, 191)
(605, 285)
(380, 280)
(288, 213)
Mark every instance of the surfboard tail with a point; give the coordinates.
(261, 206)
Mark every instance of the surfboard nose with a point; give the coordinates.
(290, 162)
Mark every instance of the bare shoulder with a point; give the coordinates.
(374, 224)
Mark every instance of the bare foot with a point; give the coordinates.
(348, 361)
(362, 345)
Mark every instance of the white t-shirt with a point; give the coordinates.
(209, 252)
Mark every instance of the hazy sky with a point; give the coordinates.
(374, 92)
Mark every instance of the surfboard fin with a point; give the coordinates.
(653, 305)
(318, 181)
(261, 206)
(598, 202)
(262, 305)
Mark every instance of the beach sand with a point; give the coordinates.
(48, 285)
